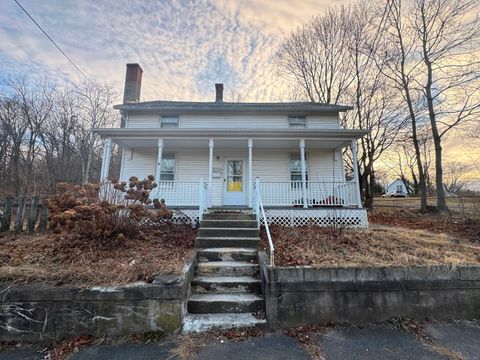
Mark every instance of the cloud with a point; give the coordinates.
(183, 46)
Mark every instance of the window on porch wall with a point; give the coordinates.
(167, 168)
(296, 170)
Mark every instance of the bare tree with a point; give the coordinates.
(95, 110)
(45, 133)
(454, 176)
(397, 65)
(330, 57)
(447, 32)
(375, 107)
(316, 57)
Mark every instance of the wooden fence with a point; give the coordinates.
(23, 214)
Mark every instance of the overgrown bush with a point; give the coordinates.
(94, 212)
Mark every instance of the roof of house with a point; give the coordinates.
(397, 181)
(222, 107)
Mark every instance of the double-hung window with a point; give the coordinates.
(297, 122)
(169, 122)
(296, 170)
(167, 168)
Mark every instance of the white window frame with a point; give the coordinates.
(169, 121)
(296, 156)
(299, 122)
(169, 156)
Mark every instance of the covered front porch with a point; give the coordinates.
(196, 170)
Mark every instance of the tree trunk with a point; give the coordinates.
(441, 202)
(371, 192)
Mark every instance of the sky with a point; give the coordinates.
(184, 47)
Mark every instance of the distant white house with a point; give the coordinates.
(397, 188)
(221, 154)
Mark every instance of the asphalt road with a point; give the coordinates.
(346, 343)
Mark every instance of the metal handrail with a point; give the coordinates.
(259, 208)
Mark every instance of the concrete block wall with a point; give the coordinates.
(305, 295)
(33, 313)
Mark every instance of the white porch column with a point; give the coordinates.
(304, 173)
(107, 154)
(210, 171)
(355, 173)
(250, 172)
(158, 168)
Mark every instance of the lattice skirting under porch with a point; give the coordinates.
(185, 216)
(350, 218)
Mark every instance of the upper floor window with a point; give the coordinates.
(297, 121)
(169, 122)
(167, 169)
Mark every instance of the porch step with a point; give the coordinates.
(231, 242)
(228, 231)
(227, 268)
(229, 216)
(226, 254)
(224, 303)
(226, 285)
(206, 322)
(229, 223)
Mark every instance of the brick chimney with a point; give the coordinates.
(218, 92)
(133, 84)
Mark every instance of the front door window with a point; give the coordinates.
(234, 175)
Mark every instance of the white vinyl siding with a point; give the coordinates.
(143, 121)
(324, 167)
(323, 122)
(327, 121)
(139, 163)
(268, 165)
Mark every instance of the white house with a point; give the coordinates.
(397, 187)
(221, 154)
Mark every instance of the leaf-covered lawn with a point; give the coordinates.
(467, 228)
(380, 245)
(60, 258)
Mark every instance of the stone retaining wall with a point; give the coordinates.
(36, 312)
(302, 295)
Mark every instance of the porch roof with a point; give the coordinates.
(228, 138)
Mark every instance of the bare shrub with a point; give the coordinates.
(80, 211)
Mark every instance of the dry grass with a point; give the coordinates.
(416, 328)
(308, 337)
(379, 246)
(464, 227)
(59, 259)
(190, 345)
(461, 205)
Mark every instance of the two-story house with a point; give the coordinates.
(224, 154)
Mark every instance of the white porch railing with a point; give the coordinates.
(177, 193)
(331, 193)
(281, 193)
(260, 212)
(338, 193)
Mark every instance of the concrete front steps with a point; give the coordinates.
(226, 289)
